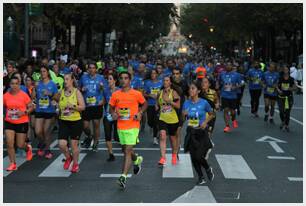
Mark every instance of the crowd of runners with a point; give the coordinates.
(125, 94)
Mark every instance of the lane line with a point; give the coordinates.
(117, 149)
(276, 147)
(55, 169)
(281, 158)
(54, 143)
(6, 163)
(292, 118)
(199, 194)
(295, 179)
(113, 175)
(183, 168)
(234, 167)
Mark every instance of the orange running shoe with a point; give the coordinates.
(162, 161)
(227, 129)
(174, 159)
(75, 168)
(235, 124)
(29, 153)
(12, 167)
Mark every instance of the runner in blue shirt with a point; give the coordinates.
(110, 125)
(152, 88)
(197, 141)
(255, 78)
(43, 94)
(229, 82)
(92, 86)
(270, 82)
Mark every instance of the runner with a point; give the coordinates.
(124, 107)
(168, 101)
(181, 87)
(18, 106)
(211, 96)
(270, 82)
(152, 89)
(286, 86)
(71, 104)
(229, 82)
(197, 139)
(110, 126)
(92, 86)
(255, 77)
(43, 94)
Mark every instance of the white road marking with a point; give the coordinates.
(55, 169)
(276, 147)
(234, 167)
(281, 158)
(6, 163)
(113, 175)
(292, 118)
(270, 139)
(199, 194)
(183, 168)
(296, 179)
(102, 149)
(53, 144)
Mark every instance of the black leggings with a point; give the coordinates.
(110, 130)
(152, 119)
(200, 145)
(255, 96)
(285, 113)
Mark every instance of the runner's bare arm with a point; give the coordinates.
(81, 104)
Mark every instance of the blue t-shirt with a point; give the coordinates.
(93, 93)
(43, 102)
(151, 87)
(187, 68)
(64, 71)
(255, 76)
(242, 78)
(107, 95)
(196, 112)
(137, 83)
(227, 81)
(270, 80)
(167, 72)
(134, 64)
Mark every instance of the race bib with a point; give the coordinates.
(124, 113)
(256, 80)
(91, 101)
(193, 122)
(285, 86)
(12, 114)
(228, 87)
(43, 103)
(155, 91)
(270, 90)
(166, 108)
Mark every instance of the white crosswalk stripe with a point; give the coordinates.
(6, 163)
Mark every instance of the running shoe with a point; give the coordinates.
(48, 154)
(174, 159)
(235, 123)
(155, 141)
(266, 118)
(111, 158)
(95, 147)
(12, 167)
(75, 168)
(287, 129)
(29, 153)
(67, 163)
(271, 121)
(210, 174)
(87, 141)
(227, 129)
(201, 181)
(137, 165)
(162, 161)
(40, 152)
(122, 181)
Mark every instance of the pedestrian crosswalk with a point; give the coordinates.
(231, 166)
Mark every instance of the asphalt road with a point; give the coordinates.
(248, 166)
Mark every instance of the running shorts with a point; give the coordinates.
(229, 103)
(18, 128)
(44, 115)
(70, 129)
(128, 136)
(170, 128)
(270, 97)
(92, 113)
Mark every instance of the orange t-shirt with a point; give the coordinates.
(201, 72)
(15, 103)
(126, 105)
